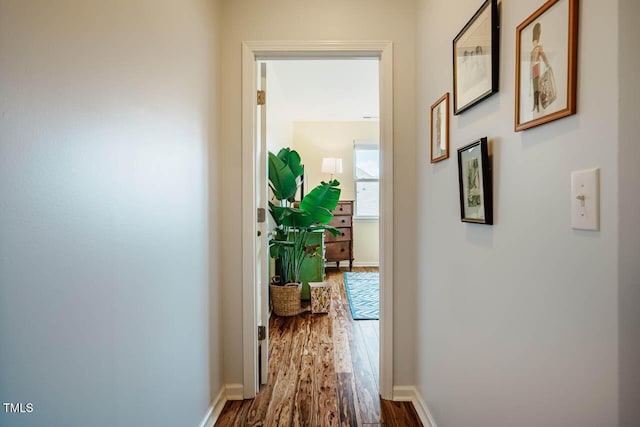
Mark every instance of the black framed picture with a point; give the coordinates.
(476, 58)
(476, 183)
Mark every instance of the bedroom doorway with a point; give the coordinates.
(253, 54)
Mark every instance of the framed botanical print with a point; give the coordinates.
(546, 64)
(440, 129)
(475, 182)
(476, 51)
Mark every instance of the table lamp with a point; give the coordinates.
(332, 165)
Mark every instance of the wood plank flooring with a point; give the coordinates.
(323, 371)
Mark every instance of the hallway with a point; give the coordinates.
(323, 372)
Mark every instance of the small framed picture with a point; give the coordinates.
(440, 129)
(475, 180)
(476, 52)
(546, 64)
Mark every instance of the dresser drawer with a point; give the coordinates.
(341, 221)
(345, 235)
(343, 208)
(338, 251)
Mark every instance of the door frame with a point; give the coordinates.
(264, 50)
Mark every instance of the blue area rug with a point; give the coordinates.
(363, 291)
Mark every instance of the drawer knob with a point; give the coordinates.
(341, 249)
(343, 234)
(343, 221)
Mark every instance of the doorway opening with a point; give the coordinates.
(255, 288)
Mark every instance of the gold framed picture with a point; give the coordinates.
(547, 64)
(440, 129)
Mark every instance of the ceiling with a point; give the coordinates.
(324, 90)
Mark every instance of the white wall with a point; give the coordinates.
(315, 140)
(517, 323)
(279, 125)
(629, 206)
(250, 20)
(108, 274)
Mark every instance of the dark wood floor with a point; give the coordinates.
(323, 371)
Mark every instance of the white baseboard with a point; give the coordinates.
(234, 391)
(411, 394)
(356, 264)
(403, 393)
(215, 409)
(209, 420)
(365, 264)
(227, 392)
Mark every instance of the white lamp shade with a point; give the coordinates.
(331, 165)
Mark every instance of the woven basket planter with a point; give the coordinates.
(286, 299)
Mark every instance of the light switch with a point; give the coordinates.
(585, 199)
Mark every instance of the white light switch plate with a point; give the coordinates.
(585, 199)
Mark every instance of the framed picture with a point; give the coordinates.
(476, 58)
(546, 64)
(475, 180)
(440, 129)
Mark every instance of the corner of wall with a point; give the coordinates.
(215, 190)
(215, 409)
(227, 392)
(629, 206)
(412, 394)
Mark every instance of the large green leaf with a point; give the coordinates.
(290, 217)
(320, 201)
(330, 229)
(292, 159)
(277, 248)
(283, 181)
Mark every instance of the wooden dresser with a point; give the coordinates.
(340, 248)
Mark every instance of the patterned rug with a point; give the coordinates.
(363, 293)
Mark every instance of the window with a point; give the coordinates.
(366, 171)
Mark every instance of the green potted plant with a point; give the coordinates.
(294, 225)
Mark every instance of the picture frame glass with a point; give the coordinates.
(439, 143)
(473, 60)
(544, 64)
(472, 183)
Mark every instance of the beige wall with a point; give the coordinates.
(315, 140)
(518, 322)
(108, 231)
(249, 20)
